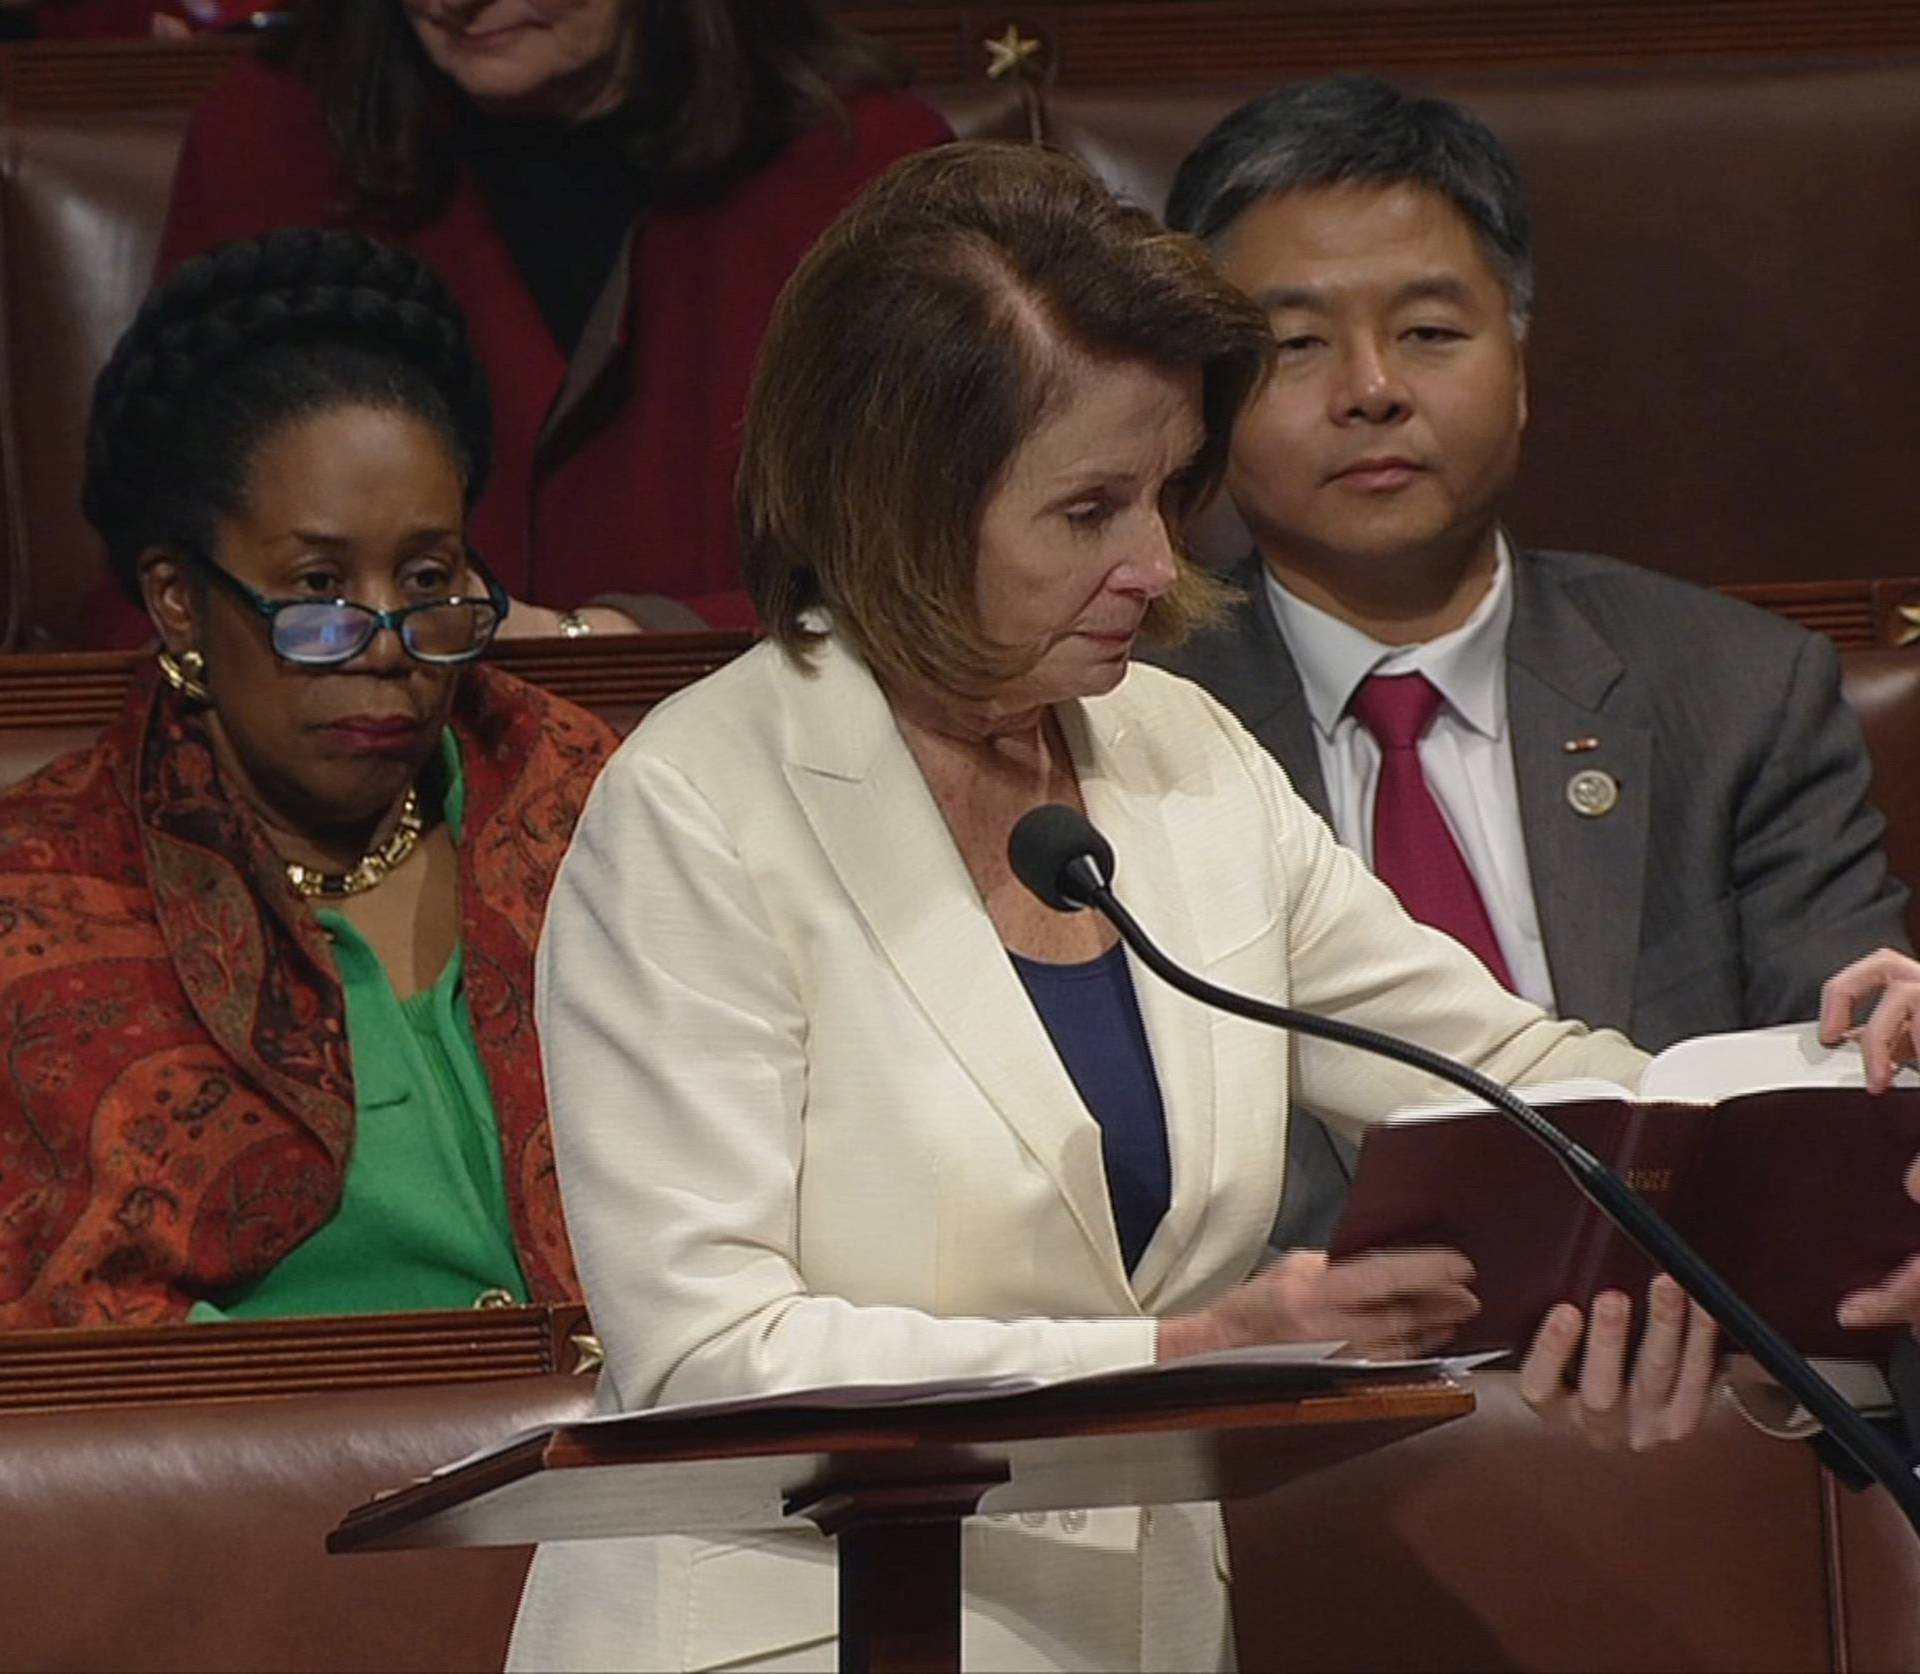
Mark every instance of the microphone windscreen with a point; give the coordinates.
(1046, 842)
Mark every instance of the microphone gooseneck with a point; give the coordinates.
(1059, 855)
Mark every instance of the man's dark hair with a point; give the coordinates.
(247, 339)
(722, 86)
(1360, 130)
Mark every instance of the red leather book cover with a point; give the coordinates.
(1795, 1196)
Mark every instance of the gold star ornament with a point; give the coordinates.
(1012, 54)
(1910, 615)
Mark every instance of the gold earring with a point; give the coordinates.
(183, 674)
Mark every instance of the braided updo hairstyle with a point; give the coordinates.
(251, 337)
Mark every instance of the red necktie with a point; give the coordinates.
(1413, 851)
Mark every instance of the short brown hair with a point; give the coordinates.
(921, 341)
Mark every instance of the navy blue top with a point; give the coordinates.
(1093, 1018)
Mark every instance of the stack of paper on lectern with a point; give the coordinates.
(1268, 1370)
(1763, 1149)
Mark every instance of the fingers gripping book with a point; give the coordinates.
(1763, 1148)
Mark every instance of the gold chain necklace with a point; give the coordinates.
(371, 868)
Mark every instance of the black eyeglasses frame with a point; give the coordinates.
(396, 620)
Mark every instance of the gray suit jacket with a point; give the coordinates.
(1740, 866)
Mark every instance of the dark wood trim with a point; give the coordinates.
(92, 78)
(630, 672)
(1135, 42)
(623, 678)
(1855, 615)
(63, 689)
(1120, 42)
(49, 1371)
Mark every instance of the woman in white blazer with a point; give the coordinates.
(823, 1104)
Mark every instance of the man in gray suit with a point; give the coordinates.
(1652, 798)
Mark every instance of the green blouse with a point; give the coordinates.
(423, 1219)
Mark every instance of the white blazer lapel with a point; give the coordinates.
(869, 808)
(1130, 804)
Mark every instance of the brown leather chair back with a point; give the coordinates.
(81, 206)
(1499, 1542)
(1876, 1579)
(26, 750)
(1722, 361)
(192, 1536)
(1882, 688)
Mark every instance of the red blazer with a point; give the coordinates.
(639, 498)
(96, 19)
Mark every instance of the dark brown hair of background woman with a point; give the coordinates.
(722, 86)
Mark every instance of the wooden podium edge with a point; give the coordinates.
(385, 1522)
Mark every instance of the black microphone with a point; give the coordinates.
(1056, 852)
(1059, 856)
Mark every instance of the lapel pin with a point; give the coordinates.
(1580, 746)
(1592, 793)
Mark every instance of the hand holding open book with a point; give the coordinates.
(1764, 1149)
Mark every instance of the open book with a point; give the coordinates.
(1763, 1148)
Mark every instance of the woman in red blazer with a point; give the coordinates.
(615, 190)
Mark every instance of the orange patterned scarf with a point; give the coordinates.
(177, 1106)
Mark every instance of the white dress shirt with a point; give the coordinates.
(1466, 755)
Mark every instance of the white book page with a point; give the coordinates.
(1539, 1095)
(1705, 1070)
(1294, 1354)
(1712, 1067)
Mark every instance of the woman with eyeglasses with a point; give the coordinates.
(266, 948)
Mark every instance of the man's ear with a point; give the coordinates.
(166, 584)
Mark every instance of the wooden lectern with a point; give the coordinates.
(892, 1483)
